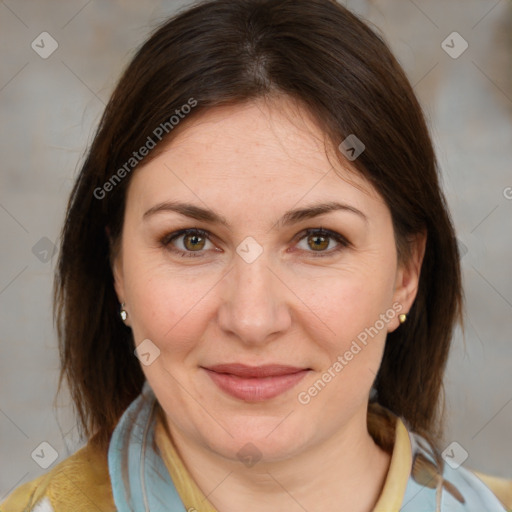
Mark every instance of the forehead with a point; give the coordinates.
(277, 130)
(259, 151)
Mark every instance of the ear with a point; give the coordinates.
(116, 263)
(408, 277)
(117, 271)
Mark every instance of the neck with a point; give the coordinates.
(345, 472)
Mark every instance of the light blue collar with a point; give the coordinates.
(141, 481)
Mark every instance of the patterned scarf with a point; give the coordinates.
(141, 482)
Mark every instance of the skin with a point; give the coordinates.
(252, 163)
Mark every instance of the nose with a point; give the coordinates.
(254, 306)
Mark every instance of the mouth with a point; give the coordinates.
(255, 383)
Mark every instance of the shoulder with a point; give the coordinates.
(480, 492)
(453, 488)
(79, 483)
(500, 487)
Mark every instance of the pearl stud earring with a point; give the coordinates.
(123, 313)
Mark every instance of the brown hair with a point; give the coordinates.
(228, 52)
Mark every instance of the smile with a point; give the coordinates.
(255, 384)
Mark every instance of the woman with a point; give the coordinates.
(259, 279)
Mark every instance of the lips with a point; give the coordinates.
(248, 372)
(255, 383)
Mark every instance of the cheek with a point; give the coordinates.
(353, 311)
(170, 307)
(348, 301)
(167, 309)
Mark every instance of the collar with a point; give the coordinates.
(147, 473)
(389, 500)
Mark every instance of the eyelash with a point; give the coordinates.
(343, 242)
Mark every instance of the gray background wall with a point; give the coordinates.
(49, 108)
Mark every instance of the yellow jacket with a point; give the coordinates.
(81, 483)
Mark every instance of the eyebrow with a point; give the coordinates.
(290, 217)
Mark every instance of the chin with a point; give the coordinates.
(265, 438)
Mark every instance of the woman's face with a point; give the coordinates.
(253, 287)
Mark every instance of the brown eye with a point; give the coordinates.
(187, 242)
(318, 242)
(193, 242)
